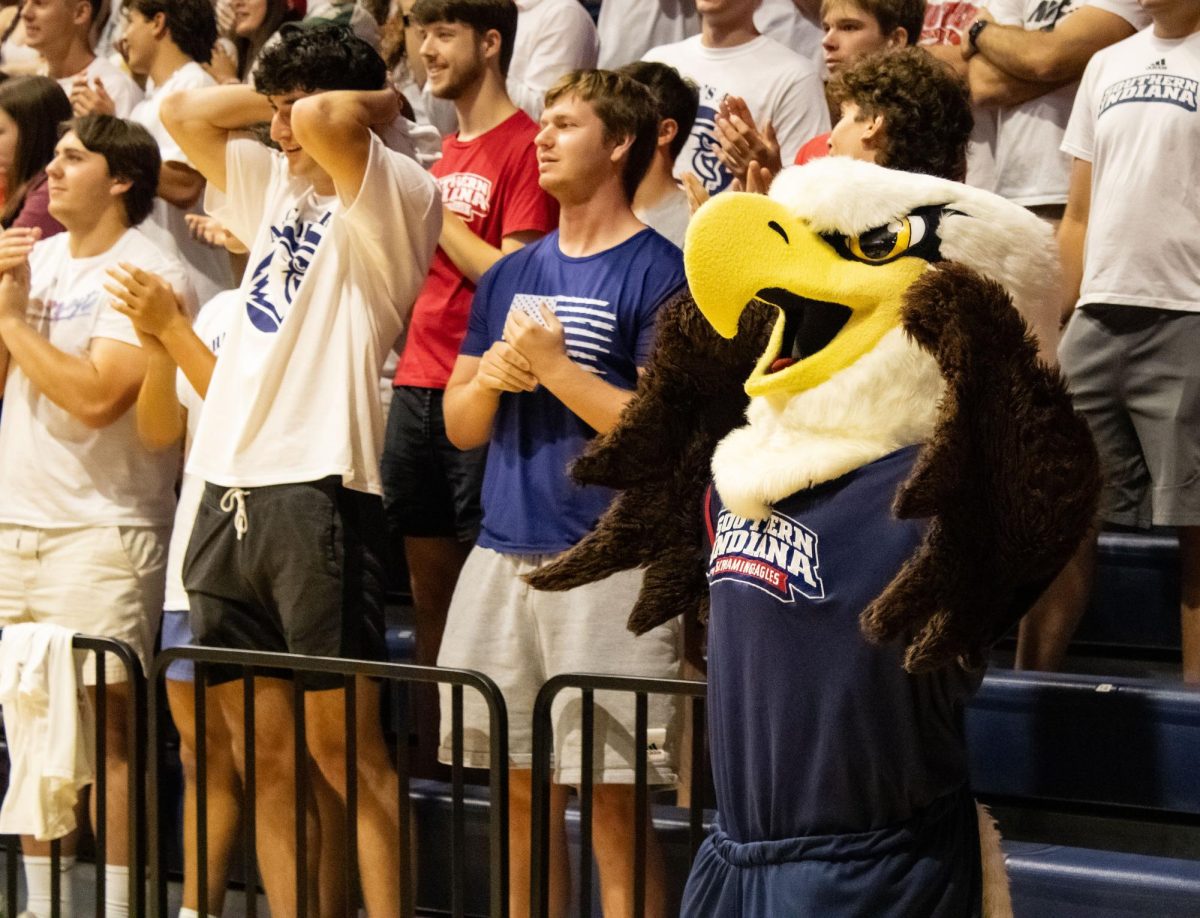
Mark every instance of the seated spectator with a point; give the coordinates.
(730, 58)
(1026, 60)
(60, 30)
(167, 41)
(553, 37)
(627, 29)
(31, 109)
(84, 507)
(852, 29)
(659, 202)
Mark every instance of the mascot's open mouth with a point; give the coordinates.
(808, 325)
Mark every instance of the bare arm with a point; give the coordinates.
(1057, 56)
(160, 418)
(472, 255)
(1072, 233)
(992, 86)
(334, 128)
(593, 400)
(950, 55)
(180, 185)
(202, 120)
(474, 389)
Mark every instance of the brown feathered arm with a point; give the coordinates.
(658, 457)
(1010, 478)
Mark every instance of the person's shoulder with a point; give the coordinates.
(139, 249)
(1129, 10)
(49, 252)
(215, 315)
(650, 251)
(190, 76)
(674, 51)
(105, 69)
(771, 53)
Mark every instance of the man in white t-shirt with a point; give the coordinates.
(553, 37)
(84, 507)
(167, 41)
(60, 30)
(287, 551)
(730, 58)
(1025, 58)
(1130, 243)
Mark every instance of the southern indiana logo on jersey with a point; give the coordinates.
(1152, 87)
(777, 555)
(466, 194)
(295, 243)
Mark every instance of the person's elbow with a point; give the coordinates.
(98, 413)
(323, 118)
(158, 440)
(463, 427)
(173, 111)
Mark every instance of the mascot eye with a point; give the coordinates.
(887, 242)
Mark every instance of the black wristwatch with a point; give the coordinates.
(973, 33)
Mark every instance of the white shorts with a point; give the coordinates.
(520, 637)
(104, 581)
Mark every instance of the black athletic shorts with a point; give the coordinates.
(294, 568)
(431, 488)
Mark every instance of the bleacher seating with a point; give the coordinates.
(1135, 600)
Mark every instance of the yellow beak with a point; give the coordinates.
(742, 247)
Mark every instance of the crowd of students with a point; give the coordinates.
(219, 232)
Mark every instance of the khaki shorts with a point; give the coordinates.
(103, 581)
(520, 637)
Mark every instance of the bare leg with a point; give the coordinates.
(378, 804)
(612, 837)
(1047, 628)
(433, 567)
(223, 797)
(274, 788)
(332, 889)
(116, 765)
(520, 845)
(1189, 563)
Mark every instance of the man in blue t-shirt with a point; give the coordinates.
(556, 337)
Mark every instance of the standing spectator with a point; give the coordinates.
(659, 202)
(341, 233)
(167, 41)
(557, 333)
(629, 28)
(31, 109)
(84, 507)
(795, 24)
(730, 58)
(1130, 242)
(488, 176)
(553, 37)
(60, 30)
(1026, 58)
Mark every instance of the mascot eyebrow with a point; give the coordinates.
(911, 236)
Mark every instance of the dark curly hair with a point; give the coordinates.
(317, 58)
(131, 154)
(926, 109)
(192, 24)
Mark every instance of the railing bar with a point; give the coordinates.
(406, 877)
(137, 788)
(586, 787)
(696, 803)
(100, 788)
(157, 804)
(351, 795)
(56, 879)
(458, 839)
(10, 872)
(250, 802)
(498, 816)
(640, 795)
(200, 717)
(301, 815)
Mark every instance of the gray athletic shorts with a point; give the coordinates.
(1134, 374)
(520, 637)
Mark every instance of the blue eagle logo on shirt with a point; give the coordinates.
(295, 242)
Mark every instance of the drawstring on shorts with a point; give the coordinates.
(236, 498)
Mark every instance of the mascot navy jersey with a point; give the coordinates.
(854, 761)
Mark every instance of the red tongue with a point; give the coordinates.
(781, 364)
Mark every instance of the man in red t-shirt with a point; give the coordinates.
(493, 205)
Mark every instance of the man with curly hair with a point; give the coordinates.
(286, 552)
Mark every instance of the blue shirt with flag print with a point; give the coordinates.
(607, 304)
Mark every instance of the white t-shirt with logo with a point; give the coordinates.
(117, 83)
(55, 471)
(211, 326)
(328, 288)
(209, 266)
(776, 83)
(1030, 170)
(1135, 120)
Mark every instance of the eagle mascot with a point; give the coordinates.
(895, 477)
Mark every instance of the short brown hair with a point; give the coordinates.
(626, 109)
(926, 109)
(890, 14)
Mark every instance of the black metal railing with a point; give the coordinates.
(135, 710)
(543, 744)
(251, 665)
